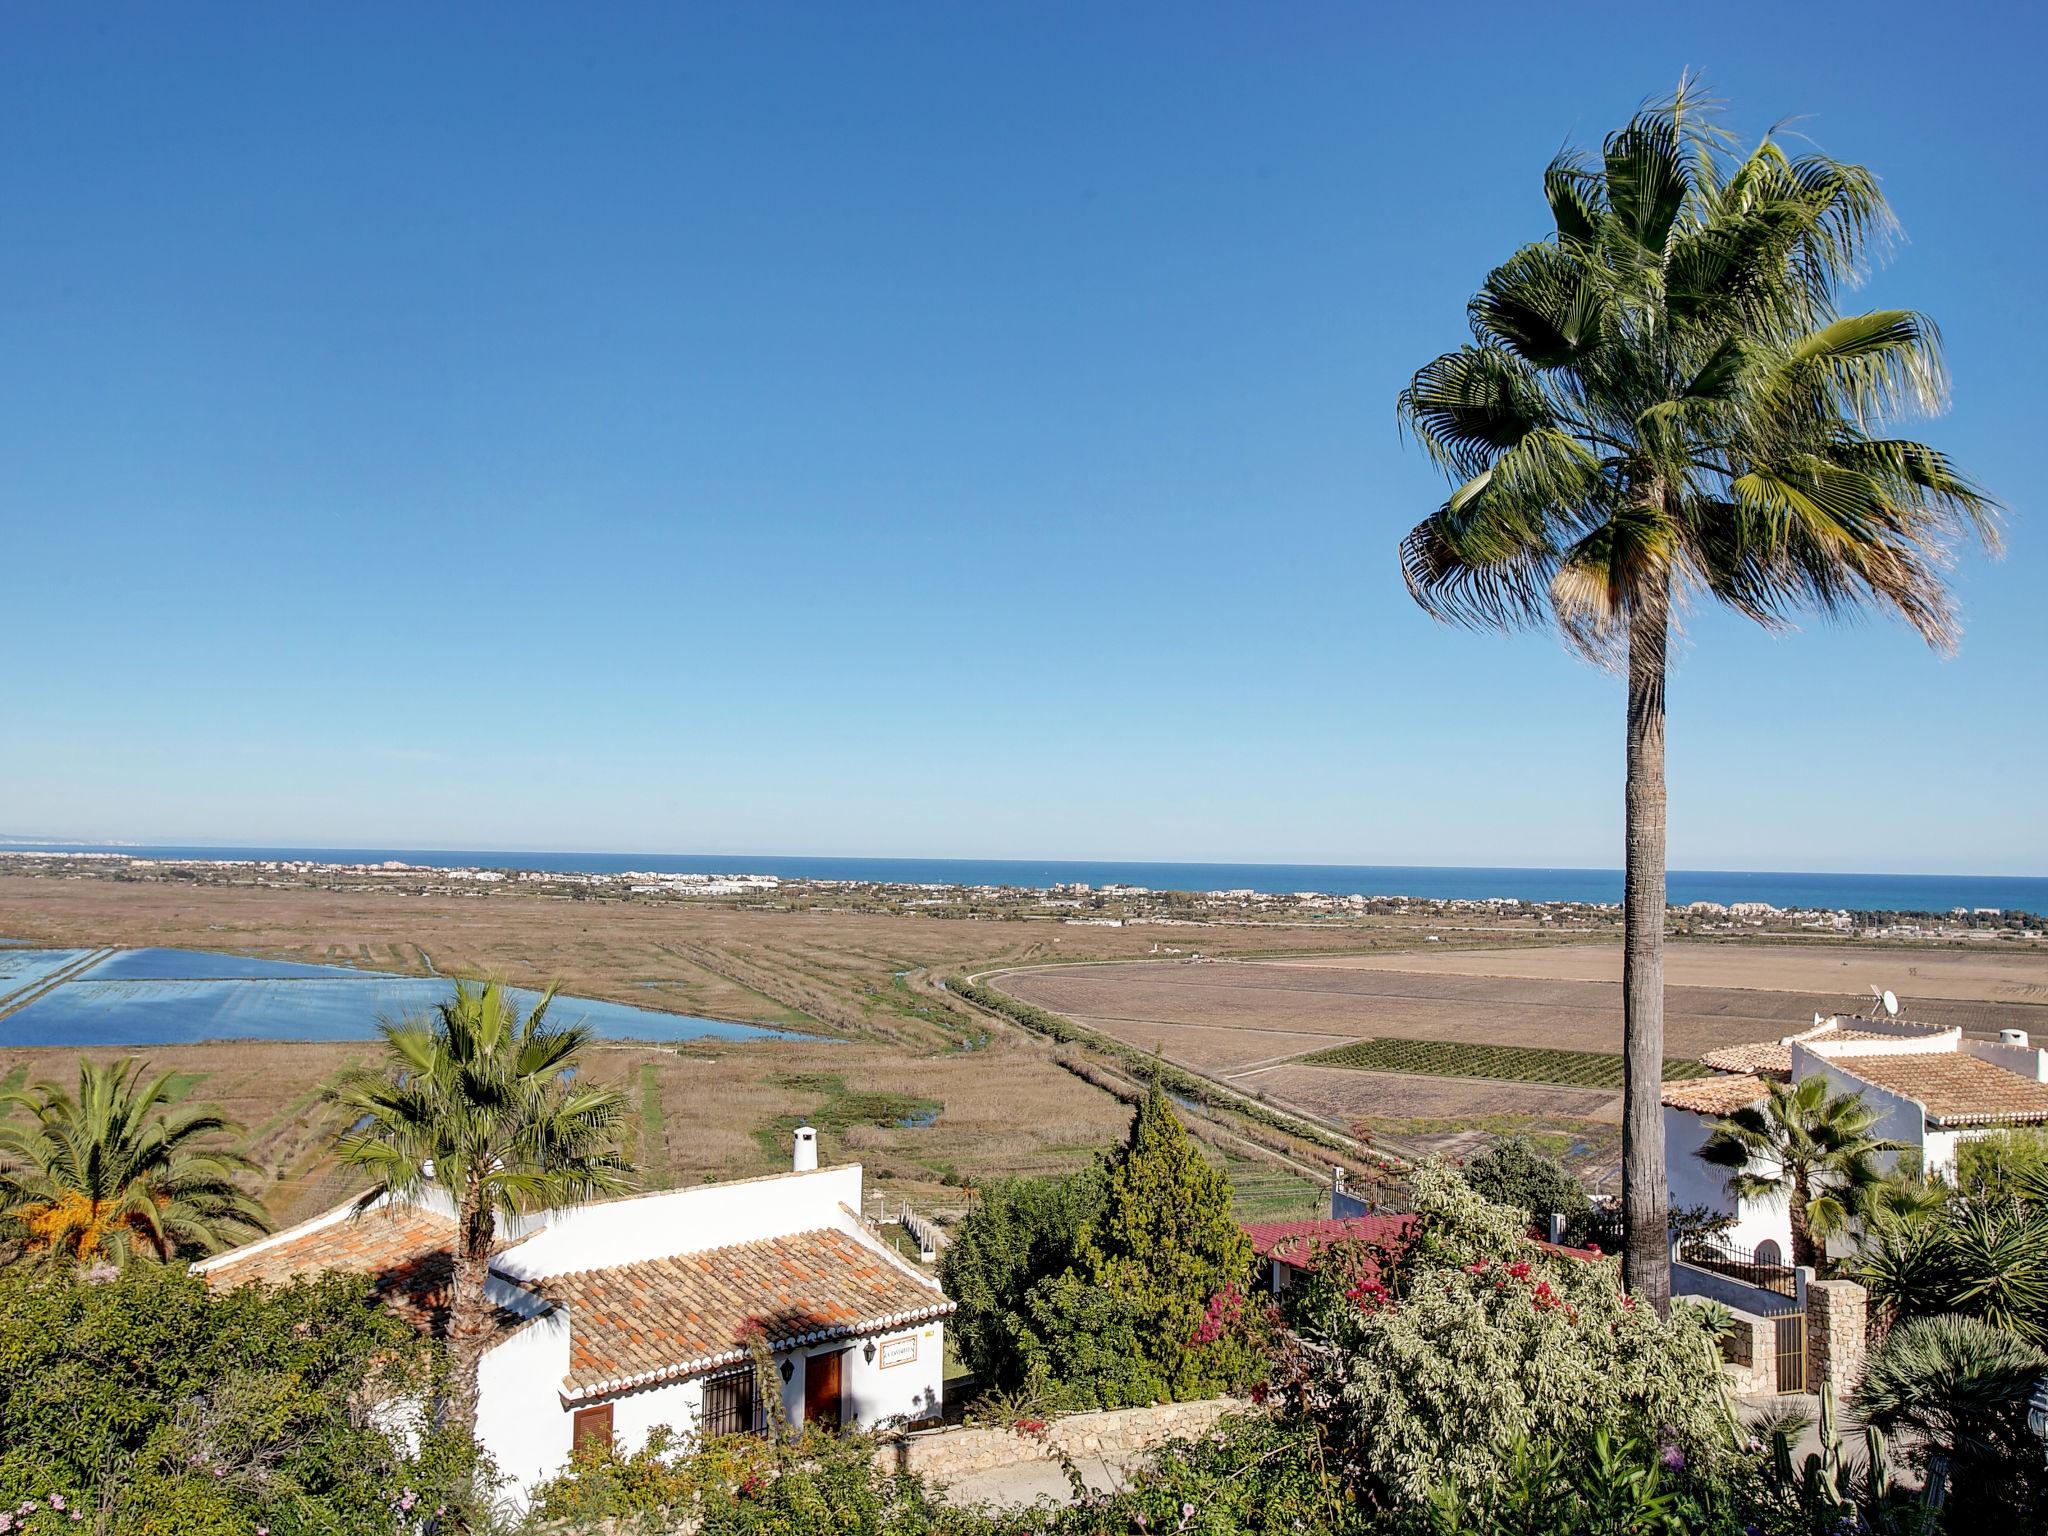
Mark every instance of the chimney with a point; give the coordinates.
(806, 1157)
(2016, 1037)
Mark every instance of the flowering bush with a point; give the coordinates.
(38, 1517)
(1491, 1344)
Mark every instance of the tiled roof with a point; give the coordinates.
(1955, 1088)
(663, 1318)
(1765, 1058)
(1295, 1242)
(1773, 1058)
(1713, 1095)
(407, 1252)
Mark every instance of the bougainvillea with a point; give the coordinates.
(1490, 1342)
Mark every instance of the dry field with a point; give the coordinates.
(1243, 1021)
(718, 1110)
(838, 968)
(700, 1111)
(1923, 979)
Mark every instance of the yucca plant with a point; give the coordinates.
(1663, 402)
(485, 1103)
(1983, 1259)
(117, 1171)
(1812, 1148)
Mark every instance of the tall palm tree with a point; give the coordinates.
(1662, 402)
(487, 1105)
(1813, 1149)
(116, 1172)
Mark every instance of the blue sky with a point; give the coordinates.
(911, 430)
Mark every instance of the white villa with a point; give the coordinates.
(1932, 1087)
(622, 1315)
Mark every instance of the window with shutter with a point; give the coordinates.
(593, 1430)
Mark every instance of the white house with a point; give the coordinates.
(621, 1315)
(1932, 1088)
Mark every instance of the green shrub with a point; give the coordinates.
(1487, 1343)
(1512, 1171)
(1154, 1305)
(166, 1408)
(1021, 1233)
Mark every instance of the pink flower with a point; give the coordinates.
(56, 1501)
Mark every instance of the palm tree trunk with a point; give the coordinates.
(1804, 1250)
(1645, 1194)
(469, 1310)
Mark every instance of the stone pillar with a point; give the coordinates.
(1837, 1323)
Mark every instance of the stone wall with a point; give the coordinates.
(1117, 1433)
(1837, 1323)
(1750, 1353)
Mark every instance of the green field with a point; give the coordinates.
(1504, 1063)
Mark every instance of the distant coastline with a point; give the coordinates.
(1936, 894)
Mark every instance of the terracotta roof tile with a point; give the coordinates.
(1955, 1088)
(1713, 1095)
(670, 1317)
(1773, 1058)
(406, 1251)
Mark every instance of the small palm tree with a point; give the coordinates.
(486, 1104)
(1959, 1387)
(1808, 1147)
(1661, 402)
(116, 1172)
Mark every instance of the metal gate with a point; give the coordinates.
(1791, 1328)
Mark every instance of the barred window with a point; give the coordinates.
(728, 1405)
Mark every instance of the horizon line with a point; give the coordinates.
(58, 845)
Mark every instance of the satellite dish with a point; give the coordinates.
(1891, 1004)
(1819, 1019)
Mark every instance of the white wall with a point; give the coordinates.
(874, 1395)
(677, 1404)
(520, 1419)
(1694, 1181)
(2027, 1061)
(1898, 1118)
(683, 1221)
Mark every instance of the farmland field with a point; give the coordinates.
(1365, 1042)
(1503, 1063)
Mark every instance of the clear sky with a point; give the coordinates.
(939, 430)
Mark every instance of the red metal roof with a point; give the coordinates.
(1295, 1243)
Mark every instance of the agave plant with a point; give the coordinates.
(116, 1171)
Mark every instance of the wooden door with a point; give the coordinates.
(821, 1390)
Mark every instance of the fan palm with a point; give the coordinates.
(1961, 1386)
(1662, 402)
(115, 1171)
(1813, 1149)
(485, 1104)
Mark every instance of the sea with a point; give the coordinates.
(1780, 888)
